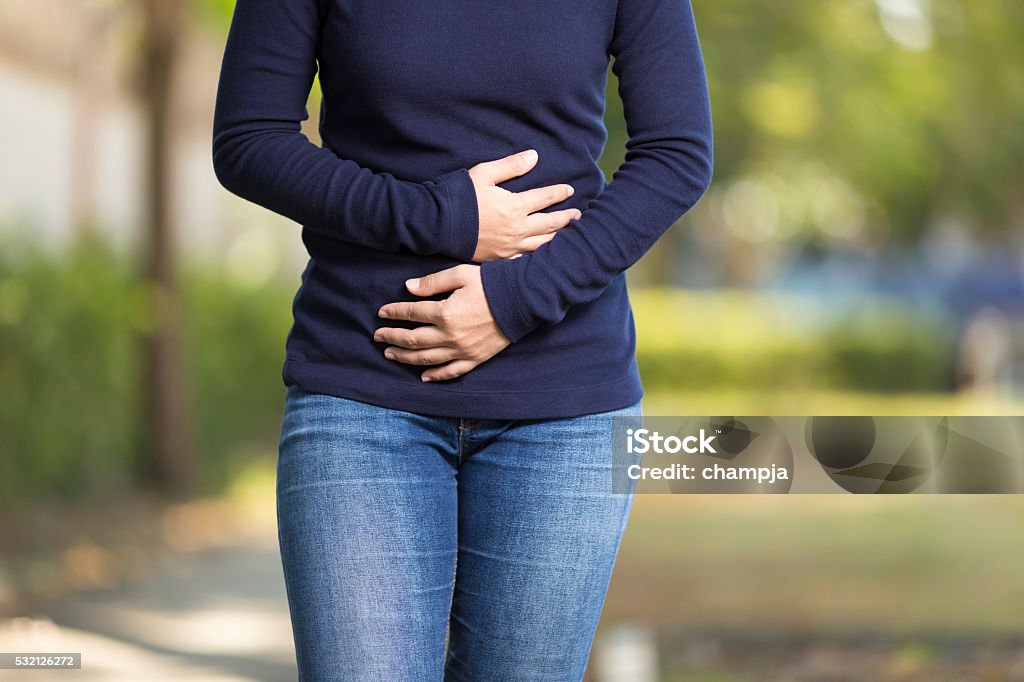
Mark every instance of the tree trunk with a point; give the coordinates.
(167, 455)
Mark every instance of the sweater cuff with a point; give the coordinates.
(462, 228)
(498, 279)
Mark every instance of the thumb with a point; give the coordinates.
(438, 282)
(500, 170)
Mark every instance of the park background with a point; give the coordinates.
(860, 251)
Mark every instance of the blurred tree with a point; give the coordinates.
(852, 125)
(168, 463)
(917, 104)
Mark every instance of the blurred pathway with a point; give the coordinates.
(212, 614)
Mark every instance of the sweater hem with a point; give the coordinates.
(436, 400)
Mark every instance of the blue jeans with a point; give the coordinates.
(426, 548)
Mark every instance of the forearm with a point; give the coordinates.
(286, 173)
(261, 154)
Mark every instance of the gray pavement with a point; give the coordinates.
(213, 615)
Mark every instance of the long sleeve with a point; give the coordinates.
(260, 153)
(667, 168)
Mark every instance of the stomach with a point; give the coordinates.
(335, 315)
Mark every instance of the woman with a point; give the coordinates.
(462, 334)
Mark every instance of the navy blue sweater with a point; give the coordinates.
(414, 94)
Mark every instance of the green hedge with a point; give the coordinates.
(743, 340)
(67, 367)
(70, 328)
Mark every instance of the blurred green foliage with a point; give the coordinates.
(765, 341)
(67, 367)
(69, 360)
(70, 327)
(235, 347)
(917, 104)
(871, 116)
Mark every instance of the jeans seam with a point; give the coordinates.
(461, 444)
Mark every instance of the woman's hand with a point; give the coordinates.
(509, 223)
(459, 331)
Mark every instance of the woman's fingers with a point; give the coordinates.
(542, 223)
(542, 197)
(500, 170)
(532, 243)
(543, 226)
(453, 369)
(427, 356)
(415, 311)
(510, 221)
(413, 339)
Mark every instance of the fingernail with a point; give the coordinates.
(382, 313)
(571, 190)
(530, 155)
(413, 283)
(389, 354)
(579, 214)
(426, 380)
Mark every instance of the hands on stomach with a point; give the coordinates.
(510, 224)
(459, 333)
